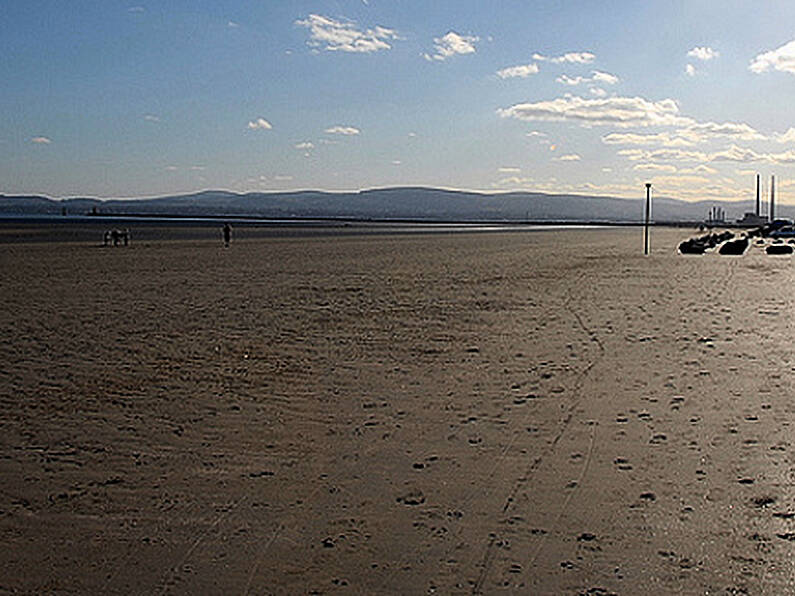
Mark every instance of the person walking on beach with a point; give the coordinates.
(227, 234)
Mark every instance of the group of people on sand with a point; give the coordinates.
(116, 237)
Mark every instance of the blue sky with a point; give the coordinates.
(123, 99)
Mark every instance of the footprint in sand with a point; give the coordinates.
(763, 501)
(415, 497)
(622, 463)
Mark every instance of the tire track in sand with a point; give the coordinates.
(488, 556)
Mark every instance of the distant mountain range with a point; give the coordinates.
(414, 203)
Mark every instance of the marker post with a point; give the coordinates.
(646, 226)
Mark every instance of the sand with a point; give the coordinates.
(528, 412)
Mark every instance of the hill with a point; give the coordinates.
(417, 203)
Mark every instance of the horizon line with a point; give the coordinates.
(641, 194)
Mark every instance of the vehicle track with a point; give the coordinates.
(538, 460)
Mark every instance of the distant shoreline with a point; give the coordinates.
(208, 220)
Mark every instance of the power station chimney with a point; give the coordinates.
(758, 182)
(772, 198)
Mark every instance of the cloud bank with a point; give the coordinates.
(622, 112)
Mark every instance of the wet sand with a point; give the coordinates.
(542, 412)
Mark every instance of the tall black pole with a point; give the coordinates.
(646, 227)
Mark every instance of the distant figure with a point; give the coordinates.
(227, 234)
(116, 237)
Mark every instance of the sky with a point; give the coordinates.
(108, 98)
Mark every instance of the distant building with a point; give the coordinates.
(752, 219)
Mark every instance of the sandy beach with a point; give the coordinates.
(543, 412)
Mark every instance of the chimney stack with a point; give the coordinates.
(758, 183)
(772, 198)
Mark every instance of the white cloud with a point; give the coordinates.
(396, 162)
(679, 181)
(702, 131)
(536, 133)
(305, 145)
(451, 44)
(698, 187)
(746, 155)
(782, 59)
(512, 182)
(555, 186)
(41, 140)
(523, 71)
(509, 170)
(699, 169)
(690, 70)
(260, 124)
(344, 36)
(197, 168)
(703, 53)
(567, 80)
(151, 118)
(171, 168)
(664, 155)
(623, 112)
(598, 78)
(571, 57)
(570, 157)
(736, 154)
(232, 24)
(630, 138)
(654, 167)
(342, 130)
(136, 9)
(733, 153)
(697, 132)
(785, 137)
(282, 178)
(604, 78)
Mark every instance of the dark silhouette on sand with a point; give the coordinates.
(116, 237)
(227, 232)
